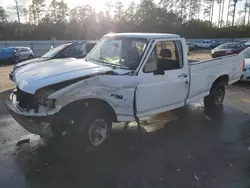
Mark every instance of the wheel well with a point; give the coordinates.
(80, 106)
(224, 78)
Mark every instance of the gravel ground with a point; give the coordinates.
(5, 83)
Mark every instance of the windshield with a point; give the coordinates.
(120, 52)
(227, 46)
(54, 51)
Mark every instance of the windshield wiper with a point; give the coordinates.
(107, 61)
(113, 64)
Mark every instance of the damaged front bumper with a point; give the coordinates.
(36, 125)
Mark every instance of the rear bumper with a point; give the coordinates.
(36, 125)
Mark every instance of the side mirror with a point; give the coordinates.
(160, 68)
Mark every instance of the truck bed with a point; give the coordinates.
(204, 73)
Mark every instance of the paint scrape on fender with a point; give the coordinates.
(100, 87)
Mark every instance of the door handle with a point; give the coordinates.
(183, 75)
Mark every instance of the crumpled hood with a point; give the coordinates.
(36, 60)
(34, 76)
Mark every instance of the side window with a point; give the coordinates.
(168, 54)
(19, 49)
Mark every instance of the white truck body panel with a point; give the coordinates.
(152, 93)
(204, 73)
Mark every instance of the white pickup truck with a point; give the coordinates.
(125, 77)
(206, 44)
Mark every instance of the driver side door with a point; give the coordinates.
(158, 93)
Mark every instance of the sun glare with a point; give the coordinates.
(96, 4)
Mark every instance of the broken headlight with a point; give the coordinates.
(41, 99)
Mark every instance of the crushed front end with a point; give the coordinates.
(26, 109)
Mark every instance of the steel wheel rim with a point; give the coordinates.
(219, 96)
(98, 132)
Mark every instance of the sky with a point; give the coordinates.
(99, 5)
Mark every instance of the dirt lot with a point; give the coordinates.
(199, 55)
(5, 83)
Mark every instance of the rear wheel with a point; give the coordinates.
(16, 60)
(216, 97)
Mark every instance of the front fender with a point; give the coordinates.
(116, 90)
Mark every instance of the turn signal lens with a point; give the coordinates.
(244, 65)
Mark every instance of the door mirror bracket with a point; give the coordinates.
(159, 72)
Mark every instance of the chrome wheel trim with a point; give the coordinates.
(98, 132)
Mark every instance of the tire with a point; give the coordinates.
(16, 60)
(94, 129)
(216, 97)
(31, 57)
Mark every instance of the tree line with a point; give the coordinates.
(188, 18)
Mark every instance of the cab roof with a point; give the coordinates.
(143, 35)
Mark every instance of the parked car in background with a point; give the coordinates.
(75, 50)
(207, 44)
(247, 44)
(246, 66)
(215, 44)
(204, 44)
(228, 49)
(191, 46)
(15, 54)
(243, 41)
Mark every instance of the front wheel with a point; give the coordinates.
(94, 129)
(216, 97)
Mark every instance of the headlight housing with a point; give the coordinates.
(41, 99)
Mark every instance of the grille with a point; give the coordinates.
(25, 100)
